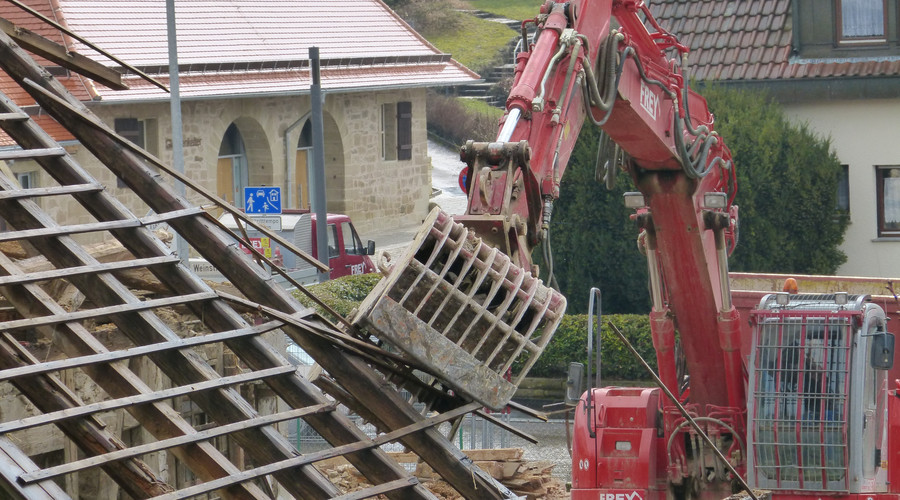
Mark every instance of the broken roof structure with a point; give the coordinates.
(360, 374)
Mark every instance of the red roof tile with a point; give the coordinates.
(720, 29)
(217, 39)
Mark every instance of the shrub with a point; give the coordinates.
(569, 344)
(428, 17)
(457, 123)
(342, 294)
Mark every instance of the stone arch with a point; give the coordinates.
(334, 165)
(245, 159)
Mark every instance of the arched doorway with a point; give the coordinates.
(334, 167)
(302, 164)
(245, 159)
(231, 172)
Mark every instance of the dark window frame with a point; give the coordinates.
(880, 174)
(134, 130)
(843, 190)
(844, 40)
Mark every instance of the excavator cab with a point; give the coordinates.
(818, 394)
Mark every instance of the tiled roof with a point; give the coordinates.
(218, 39)
(216, 31)
(244, 84)
(750, 40)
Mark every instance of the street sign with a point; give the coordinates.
(273, 223)
(262, 200)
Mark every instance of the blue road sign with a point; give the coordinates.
(262, 200)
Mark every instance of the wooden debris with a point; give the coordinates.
(532, 480)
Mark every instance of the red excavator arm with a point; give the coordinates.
(629, 80)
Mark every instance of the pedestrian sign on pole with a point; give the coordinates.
(262, 200)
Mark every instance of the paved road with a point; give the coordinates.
(444, 177)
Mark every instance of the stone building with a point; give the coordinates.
(245, 84)
(833, 64)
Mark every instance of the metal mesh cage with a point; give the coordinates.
(464, 310)
(799, 402)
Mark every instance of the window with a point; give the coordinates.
(887, 181)
(143, 133)
(861, 20)
(396, 131)
(333, 250)
(352, 243)
(843, 193)
(27, 180)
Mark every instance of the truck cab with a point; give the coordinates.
(346, 253)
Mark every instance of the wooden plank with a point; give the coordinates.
(136, 451)
(65, 58)
(98, 312)
(374, 491)
(45, 232)
(98, 268)
(117, 380)
(31, 154)
(49, 191)
(109, 357)
(13, 116)
(253, 352)
(324, 454)
(143, 398)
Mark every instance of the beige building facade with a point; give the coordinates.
(245, 102)
(230, 144)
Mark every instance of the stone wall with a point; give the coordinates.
(378, 194)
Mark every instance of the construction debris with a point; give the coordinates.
(140, 379)
(532, 480)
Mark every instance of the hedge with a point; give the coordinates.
(568, 344)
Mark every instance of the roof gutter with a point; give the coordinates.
(285, 93)
(817, 89)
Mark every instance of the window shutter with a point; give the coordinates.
(404, 130)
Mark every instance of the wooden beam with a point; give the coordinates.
(55, 52)
(374, 464)
(159, 419)
(30, 154)
(117, 310)
(49, 394)
(134, 352)
(317, 456)
(144, 398)
(205, 435)
(44, 232)
(98, 268)
(50, 191)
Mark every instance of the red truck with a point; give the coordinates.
(347, 254)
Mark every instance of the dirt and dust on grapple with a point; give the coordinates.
(463, 310)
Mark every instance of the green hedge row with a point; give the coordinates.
(569, 343)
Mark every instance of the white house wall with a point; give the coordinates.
(865, 134)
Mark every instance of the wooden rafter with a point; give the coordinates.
(136, 318)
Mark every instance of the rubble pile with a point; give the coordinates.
(532, 480)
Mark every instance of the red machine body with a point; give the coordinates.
(754, 403)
